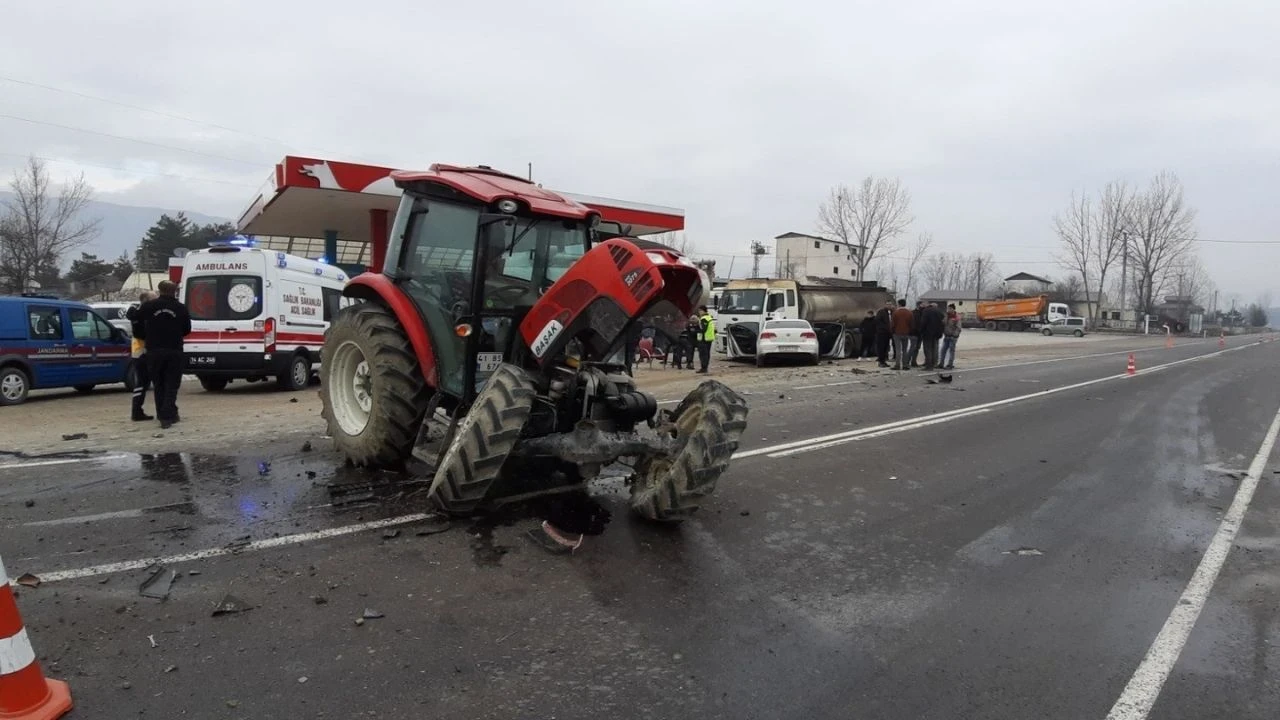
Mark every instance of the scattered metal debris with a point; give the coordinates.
(390, 534)
(171, 668)
(371, 614)
(28, 580)
(434, 525)
(302, 679)
(230, 604)
(152, 640)
(319, 599)
(1023, 551)
(238, 543)
(158, 583)
(76, 436)
(540, 538)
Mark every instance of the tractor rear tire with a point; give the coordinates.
(709, 422)
(483, 440)
(368, 361)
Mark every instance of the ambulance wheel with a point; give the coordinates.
(14, 385)
(372, 387)
(299, 375)
(213, 384)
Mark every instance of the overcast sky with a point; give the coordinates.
(742, 113)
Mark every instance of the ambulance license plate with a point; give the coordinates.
(487, 362)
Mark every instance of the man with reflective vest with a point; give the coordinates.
(142, 378)
(706, 336)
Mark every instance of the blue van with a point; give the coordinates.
(50, 343)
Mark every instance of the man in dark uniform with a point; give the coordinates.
(165, 322)
(867, 334)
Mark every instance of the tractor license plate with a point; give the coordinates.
(787, 348)
(488, 362)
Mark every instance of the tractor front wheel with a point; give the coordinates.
(707, 426)
(483, 440)
(372, 388)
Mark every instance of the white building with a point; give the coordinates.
(800, 255)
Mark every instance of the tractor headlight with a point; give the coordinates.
(508, 206)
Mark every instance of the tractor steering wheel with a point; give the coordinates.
(510, 293)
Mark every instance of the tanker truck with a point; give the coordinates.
(834, 308)
(1021, 313)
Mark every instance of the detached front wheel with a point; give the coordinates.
(372, 388)
(706, 427)
(483, 440)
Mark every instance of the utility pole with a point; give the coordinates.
(530, 172)
(977, 283)
(1124, 271)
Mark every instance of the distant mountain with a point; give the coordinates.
(122, 226)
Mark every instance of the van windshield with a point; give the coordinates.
(224, 297)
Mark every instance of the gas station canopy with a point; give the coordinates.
(313, 198)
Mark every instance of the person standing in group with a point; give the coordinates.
(884, 333)
(902, 331)
(165, 322)
(917, 322)
(950, 336)
(931, 328)
(688, 341)
(706, 337)
(142, 377)
(867, 336)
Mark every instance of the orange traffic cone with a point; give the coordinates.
(1222, 341)
(1133, 365)
(1168, 341)
(25, 694)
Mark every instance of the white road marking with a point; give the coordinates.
(282, 541)
(115, 515)
(1144, 687)
(826, 441)
(61, 461)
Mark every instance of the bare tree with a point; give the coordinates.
(1077, 229)
(870, 216)
(1194, 282)
(1070, 289)
(1111, 217)
(953, 271)
(36, 229)
(916, 253)
(1161, 232)
(678, 241)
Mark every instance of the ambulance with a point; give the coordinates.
(257, 314)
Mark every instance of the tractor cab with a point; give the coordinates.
(474, 269)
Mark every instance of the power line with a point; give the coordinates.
(79, 163)
(140, 108)
(1239, 242)
(256, 163)
(161, 113)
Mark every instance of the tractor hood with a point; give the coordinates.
(602, 298)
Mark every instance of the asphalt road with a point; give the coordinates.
(1008, 545)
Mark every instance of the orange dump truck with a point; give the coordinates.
(1021, 313)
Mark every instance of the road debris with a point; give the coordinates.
(264, 468)
(390, 534)
(76, 436)
(30, 503)
(1023, 551)
(371, 614)
(233, 704)
(302, 679)
(171, 668)
(434, 525)
(152, 639)
(745, 513)
(28, 580)
(319, 600)
(230, 604)
(306, 446)
(238, 543)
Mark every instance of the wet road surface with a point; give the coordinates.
(1014, 559)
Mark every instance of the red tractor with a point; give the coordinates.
(502, 305)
